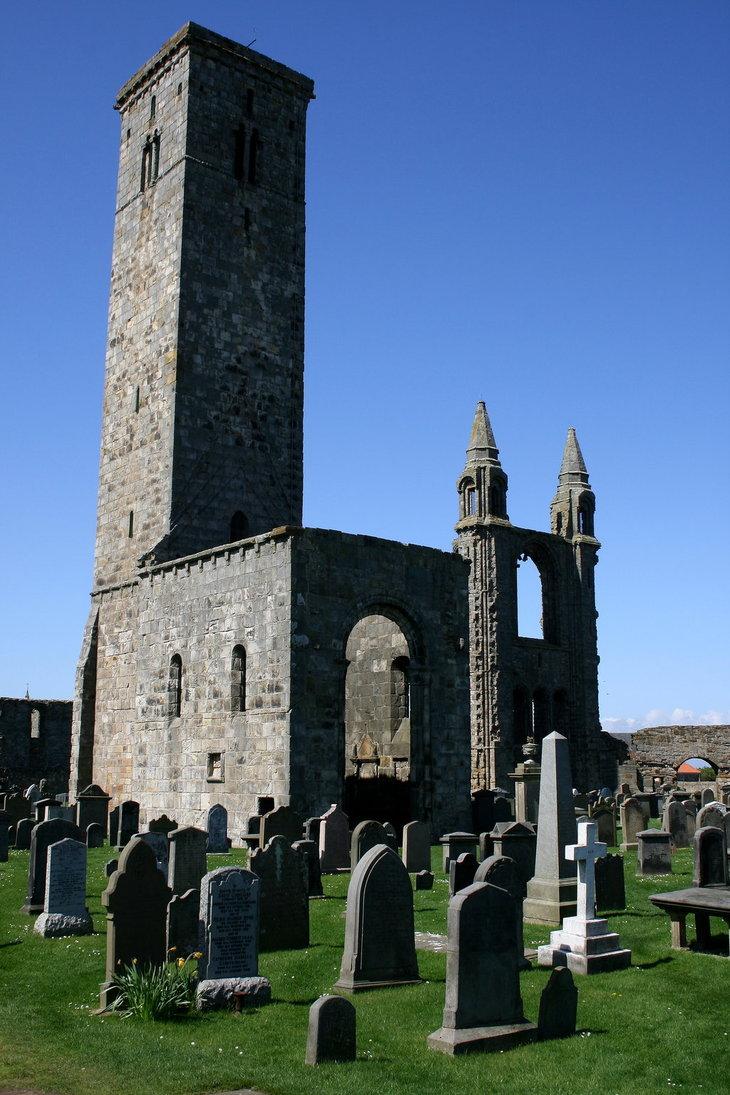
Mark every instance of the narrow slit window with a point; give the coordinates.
(174, 687)
(130, 527)
(253, 157)
(153, 107)
(136, 400)
(238, 679)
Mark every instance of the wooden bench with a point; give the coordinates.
(701, 901)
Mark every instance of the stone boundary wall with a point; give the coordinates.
(35, 741)
(659, 750)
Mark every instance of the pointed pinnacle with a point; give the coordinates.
(482, 448)
(573, 467)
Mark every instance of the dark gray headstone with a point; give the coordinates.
(110, 867)
(518, 842)
(228, 934)
(64, 908)
(160, 845)
(675, 821)
(187, 863)
(424, 880)
(162, 824)
(391, 834)
(633, 821)
(558, 1005)
(610, 882)
(310, 851)
(311, 830)
(22, 833)
(92, 806)
(334, 841)
(4, 842)
(331, 1034)
(218, 829)
(283, 821)
(416, 852)
(17, 807)
(182, 924)
(94, 835)
(379, 935)
(502, 809)
(710, 851)
(365, 836)
(461, 872)
(123, 823)
(43, 835)
(605, 819)
(501, 871)
(653, 852)
(453, 844)
(483, 1007)
(486, 846)
(284, 917)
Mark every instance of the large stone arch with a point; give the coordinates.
(659, 750)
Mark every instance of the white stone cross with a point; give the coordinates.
(585, 853)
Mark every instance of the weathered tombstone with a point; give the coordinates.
(710, 850)
(654, 852)
(610, 882)
(64, 907)
(218, 829)
(691, 810)
(136, 901)
(501, 871)
(182, 924)
(123, 823)
(551, 892)
(461, 872)
(392, 835)
(632, 822)
(228, 936)
(110, 867)
(675, 823)
(308, 849)
(486, 846)
(708, 795)
(483, 1007)
(365, 836)
(94, 835)
(284, 907)
(502, 809)
(17, 807)
(519, 843)
(311, 829)
(380, 945)
(558, 1006)
(92, 805)
(691, 806)
(424, 880)
(416, 854)
(584, 944)
(331, 1033)
(41, 807)
(711, 814)
(334, 841)
(252, 832)
(162, 824)
(605, 819)
(453, 844)
(42, 836)
(22, 833)
(187, 863)
(160, 845)
(283, 821)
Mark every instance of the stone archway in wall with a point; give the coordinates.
(383, 705)
(659, 751)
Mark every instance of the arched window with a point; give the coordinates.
(559, 524)
(238, 679)
(400, 689)
(239, 526)
(496, 500)
(585, 520)
(174, 687)
(521, 720)
(153, 107)
(529, 599)
(35, 723)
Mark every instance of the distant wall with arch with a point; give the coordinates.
(659, 750)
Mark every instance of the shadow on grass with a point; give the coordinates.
(654, 964)
(11, 943)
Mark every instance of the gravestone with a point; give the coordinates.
(584, 944)
(187, 863)
(558, 1006)
(94, 835)
(654, 853)
(123, 823)
(4, 842)
(334, 841)
(17, 807)
(483, 1007)
(283, 821)
(710, 850)
(519, 843)
(283, 902)
(228, 938)
(182, 924)
(218, 829)
(160, 845)
(110, 867)
(42, 836)
(551, 892)
(22, 833)
(379, 936)
(486, 846)
(365, 836)
(461, 872)
(691, 806)
(605, 819)
(162, 824)
(713, 813)
(41, 807)
(501, 871)
(311, 830)
(92, 805)
(391, 834)
(675, 822)
(502, 809)
(453, 844)
(691, 810)
(416, 852)
(331, 1033)
(707, 796)
(252, 832)
(424, 880)
(610, 882)
(136, 901)
(64, 908)
(633, 821)
(308, 849)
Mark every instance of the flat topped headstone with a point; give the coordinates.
(331, 1033)
(92, 805)
(416, 852)
(453, 844)
(551, 893)
(380, 946)
(558, 1006)
(653, 852)
(309, 850)
(283, 821)
(43, 835)
(64, 908)
(218, 829)
(187, 863)
(334, 841)
(483, 1007)
(365, 836)
(284, 916)
(518, 841)
(610, 882)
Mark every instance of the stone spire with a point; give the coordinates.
(574, 504)
(483, 485)
(482, 448)
(573, 468)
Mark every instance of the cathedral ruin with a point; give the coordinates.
(231, 655)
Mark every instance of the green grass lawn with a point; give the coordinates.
(663, 1023)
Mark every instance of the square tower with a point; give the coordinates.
(203, 400)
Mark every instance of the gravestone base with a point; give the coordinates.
(550, 902)
(584, 946)
(481, 1039)
(349, 984)
(57, 925)
(217, 993)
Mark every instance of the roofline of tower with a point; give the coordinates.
(194, 33)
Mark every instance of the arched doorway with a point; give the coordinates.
(380, 702)
(696, 770)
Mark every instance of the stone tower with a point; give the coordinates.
(523, 686)
(203, 401)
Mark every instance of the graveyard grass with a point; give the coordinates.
(659, 1024)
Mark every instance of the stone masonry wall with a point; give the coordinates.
(659, 750)
(35, 741)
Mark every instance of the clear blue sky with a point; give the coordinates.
(515, 200)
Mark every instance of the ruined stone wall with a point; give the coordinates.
(374, 693)
(35, 742)
(659, 750)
